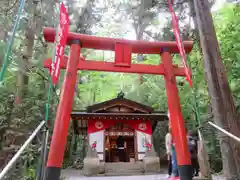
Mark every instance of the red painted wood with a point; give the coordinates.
(176, 118)
(111, 67)
(64, 110)
(127, 58)
(119, 53)
(123, 55)
(104, 43)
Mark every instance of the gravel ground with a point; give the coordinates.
(76, 175)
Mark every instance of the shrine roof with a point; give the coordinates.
(80, 118)
(120, 101)
(78, 115)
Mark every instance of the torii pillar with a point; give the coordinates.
(64, 109)
(176, 119)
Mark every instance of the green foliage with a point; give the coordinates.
(228, 35)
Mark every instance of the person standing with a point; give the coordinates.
(121, 150)
(175, 173)
(174, 165)
(168, 145)
(192, 145)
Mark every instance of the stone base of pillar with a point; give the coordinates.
(102, 168)
(91, 164)
(151, 162)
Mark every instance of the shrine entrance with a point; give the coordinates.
(105, 122)
(111, 136)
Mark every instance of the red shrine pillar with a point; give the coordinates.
(176, 119)
(59, 137)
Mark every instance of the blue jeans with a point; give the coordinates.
(174, 163)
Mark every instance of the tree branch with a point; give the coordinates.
(14, 4)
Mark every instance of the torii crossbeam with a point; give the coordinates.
(123, 50)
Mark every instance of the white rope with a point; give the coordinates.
(224, 131)
(17, 155)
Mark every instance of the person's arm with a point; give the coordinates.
(168, 143)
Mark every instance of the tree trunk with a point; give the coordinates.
(203, 158)
(194, 18)
(224, 110)
(22, 76)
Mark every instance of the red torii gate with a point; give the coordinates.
(123, 51)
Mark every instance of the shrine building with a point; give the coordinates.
(101, 124)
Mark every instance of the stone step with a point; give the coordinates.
(123, 173)
(112, 169)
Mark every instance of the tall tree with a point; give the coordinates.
(30, 33)
(85, 17)
(223, 107)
